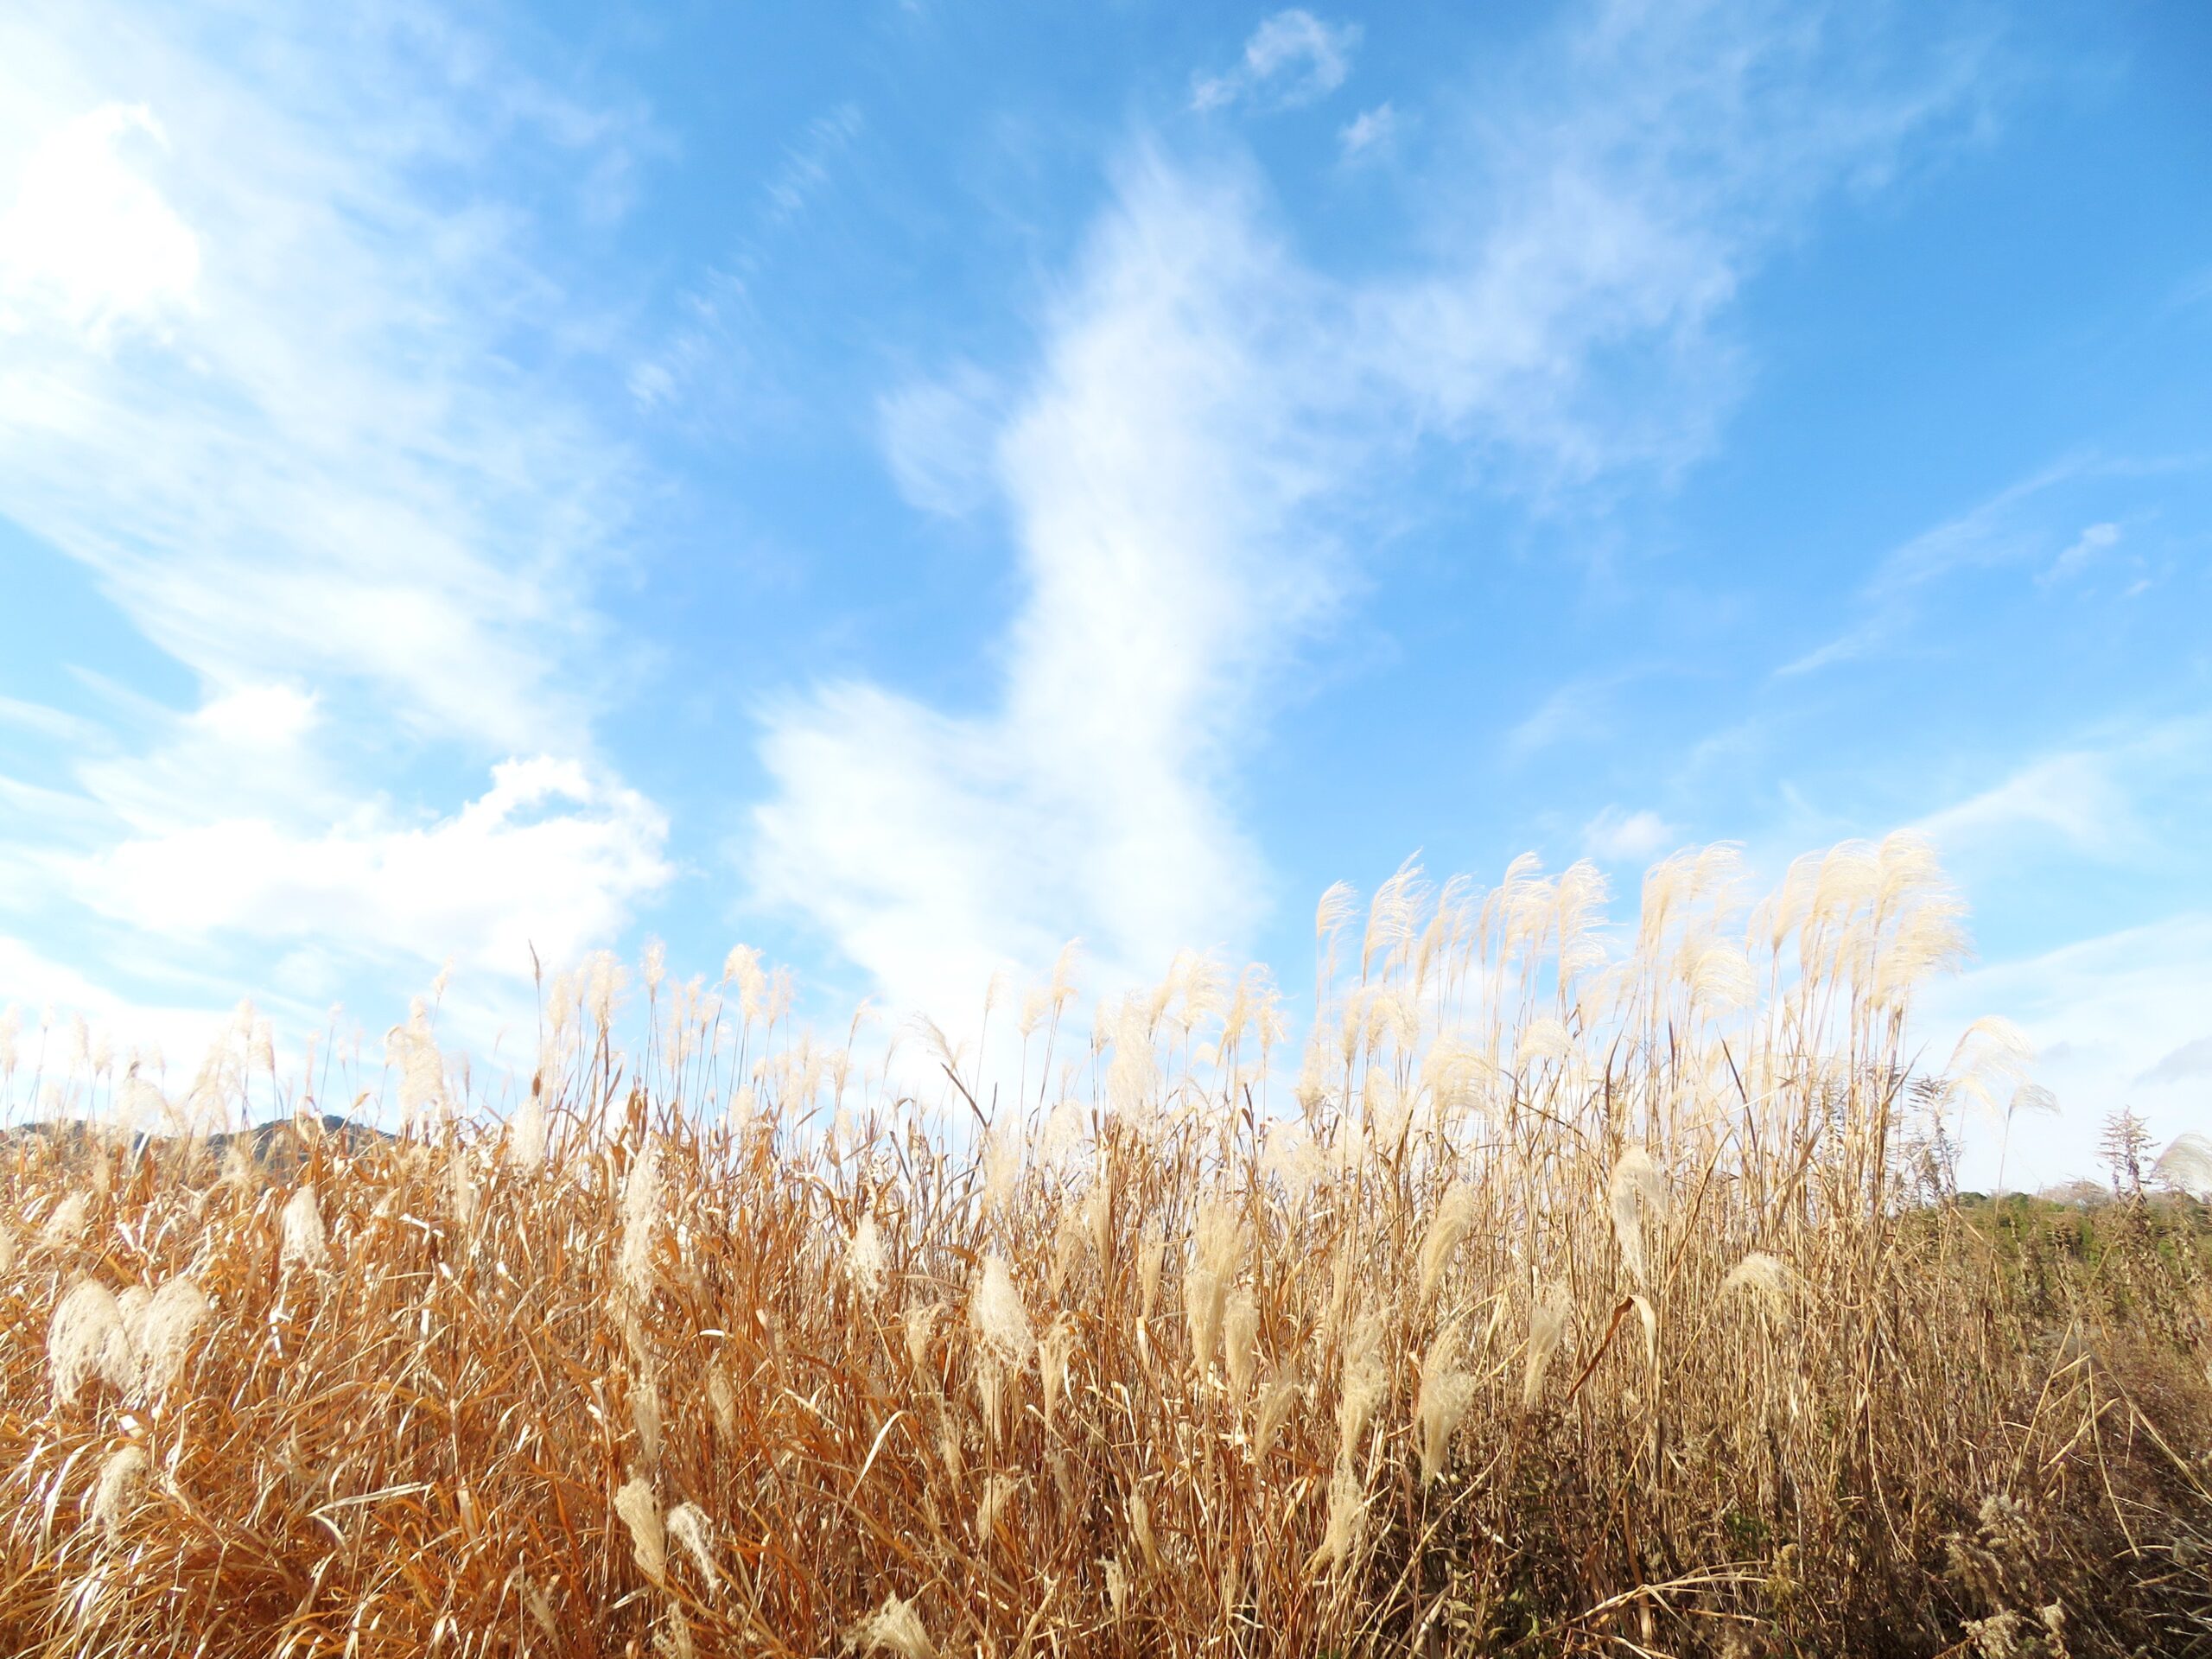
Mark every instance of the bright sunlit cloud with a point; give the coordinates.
(89, 239)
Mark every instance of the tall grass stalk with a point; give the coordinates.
(1576, 1292)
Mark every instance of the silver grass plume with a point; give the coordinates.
(65, 1222)
(721, 1400)
(1445, 1393)
(688, 1526)
(998, 1492)
(1363, 1382)
(88, 1338)
(998, 1316)
(1347, 1520)
(1650, 1316)
(641, 1199)
(1240, 1333)
(1277, 1400)
(864, 1258)
(1636, 1189)
(120, 1478)
(1765, 1278)
(1455, 1214)
(1547, 1325)
(640, 1512)
(1053, 1353)
(1217, 1243)
(304, 1245)
(526, 1135)
(920, 1323)
(645, 1414)
(896, 1628)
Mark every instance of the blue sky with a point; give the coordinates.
(905, 485)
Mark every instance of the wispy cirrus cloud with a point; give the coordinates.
(327, 465)
(707, 360)
(2051, 526)
(283, 346)
(2114, 796)
(1369, 134)
(2074, 797)
(1292, 58)
(1204, 409)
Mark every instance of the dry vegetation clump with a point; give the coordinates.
(1578, 1296)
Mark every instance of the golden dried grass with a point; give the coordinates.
(1596, 1301)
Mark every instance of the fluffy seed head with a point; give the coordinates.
(866, 1259)
(1445, 1393)
(1347, 1519)
(688, 1526)
(1052, 1356)
(65, 1222)
(88, 1338)
(304, 1245)
(526, 1135)
(1240, 1335)
(998, 1492)
(999, 1316)
(640, 1512)
(920, 1323)
(1216, 1246)
(1547, 1325)
(640, 1210)
(897, 1628)
(1636, 1188)
(645, 1414)
(1765, 1279)
(1455, 1214)
(1277, 1400)
(1363, 1382)
(120, 1478)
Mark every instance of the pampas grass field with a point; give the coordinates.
(1566, 1288)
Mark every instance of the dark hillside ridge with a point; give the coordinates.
(279, 1148)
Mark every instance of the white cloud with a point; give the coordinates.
(324, 463)
(2018, 526)
(2191, 1060)
(1151, 471)
(260, 716)
(55, 723)
(35, 984)
(2081, 551)
(2136, 796)
(937, 434)
(484, 885)
(88, 238)
(2073, 796)
(712, 371)
(806, 163)
(1369, 133)
(1618, 836)
(2105, 1013)
(1576, 712)
(1292, 57)
(266, 379)
(1204, 401)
